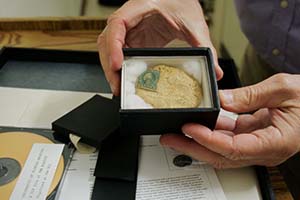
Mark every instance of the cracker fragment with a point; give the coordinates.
(173, 88)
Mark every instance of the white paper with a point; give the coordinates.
(35, 108)
(159, 179)
(240, 183)
(153, 164)
(38, 172)
(79, 179)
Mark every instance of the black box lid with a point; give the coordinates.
(93, 121)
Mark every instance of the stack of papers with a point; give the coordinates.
(158, 177)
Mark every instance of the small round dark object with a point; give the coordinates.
(9, 170)
(182, 161)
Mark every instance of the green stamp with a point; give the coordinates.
(148, 80)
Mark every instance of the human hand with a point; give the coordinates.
(151, 23)
(268, 137)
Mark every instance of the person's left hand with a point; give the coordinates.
(148, 24)
(268, 137)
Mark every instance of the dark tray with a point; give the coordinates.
(81, 71)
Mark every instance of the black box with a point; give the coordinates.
(159, 121)
(145, 121)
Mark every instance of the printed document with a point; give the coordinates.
(160, 179)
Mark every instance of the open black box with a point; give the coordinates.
(15, 61)
(84, 120)
(159, 121)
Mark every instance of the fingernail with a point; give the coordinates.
(188, 136)
(226, 96)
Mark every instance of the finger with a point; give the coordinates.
(270, 93)
(247, 123)
(244, 123)
(225, 123)
(219, 71)
(104, 59)
(189, 147)
(215, 141)
(205, 41)
(110, 45)
(112, 41)
(138, 11)
(199, 36)
(115, 40)
(260, 144)
(229, 133)
(193, 28)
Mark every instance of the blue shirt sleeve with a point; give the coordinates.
(273, 28)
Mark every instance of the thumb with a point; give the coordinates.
(266, 94)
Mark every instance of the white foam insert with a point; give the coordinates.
(195, 66)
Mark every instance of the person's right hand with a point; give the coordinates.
(151, 23)
(267, 137)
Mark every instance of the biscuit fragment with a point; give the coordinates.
(164, 86)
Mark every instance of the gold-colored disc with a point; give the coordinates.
(17, 145)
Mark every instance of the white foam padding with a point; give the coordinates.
(133, 68)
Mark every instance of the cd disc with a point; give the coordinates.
(16, 146)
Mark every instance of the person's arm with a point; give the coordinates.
(151, 23)
(268, 137)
